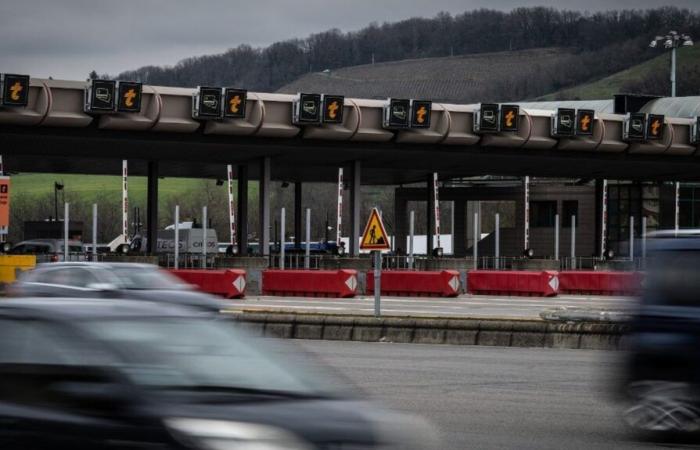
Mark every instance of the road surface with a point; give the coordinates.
(481, 306)
(483, 397)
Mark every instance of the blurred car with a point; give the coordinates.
(46, 249)
(96, 373)
(110, 280)
(661, 378)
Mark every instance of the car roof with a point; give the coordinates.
(67, 309)
(99, 265)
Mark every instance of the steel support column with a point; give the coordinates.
(242, 228)
(152, 207)
(264, 198)
(430, 214)
(355, 187)
(298, 226)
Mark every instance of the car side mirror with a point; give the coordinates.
(102, 287)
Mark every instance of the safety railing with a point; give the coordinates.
(296, 261)
(401, 262)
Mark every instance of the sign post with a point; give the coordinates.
(437, 211)
(231, 209)
(604, 219)
(340, 208)
(125, 202)
(526, 221)
(376, 239)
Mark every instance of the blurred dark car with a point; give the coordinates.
(662, 375)
(110, 280)
(100, 373)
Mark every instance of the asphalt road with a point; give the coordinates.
(483, 397)
(480, 306)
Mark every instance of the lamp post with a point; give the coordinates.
(672, 41)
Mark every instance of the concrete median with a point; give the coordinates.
(490, 332)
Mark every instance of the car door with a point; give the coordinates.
(62, 282)
(58, 390)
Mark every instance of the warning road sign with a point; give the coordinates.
(374, 237)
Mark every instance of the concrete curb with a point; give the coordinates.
(493, 332)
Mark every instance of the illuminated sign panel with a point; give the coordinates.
(100, 96)
(333, 108)
(584, 122)
(397, 113)
(307, 109)
(634, 127)
(206, 103)
(235, 103)
(420, 113)
(486, 118)
(15, 90)
(564, 122)
(129, 97)
(655, 127)
(510, 117)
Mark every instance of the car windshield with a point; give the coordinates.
(146, 278)
(195, 353)
(672, 278)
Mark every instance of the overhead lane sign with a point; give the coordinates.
(375, 236)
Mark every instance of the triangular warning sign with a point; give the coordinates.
(375, 237)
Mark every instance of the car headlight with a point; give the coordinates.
(228, 435)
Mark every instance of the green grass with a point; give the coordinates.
(606, 87)
(89, 187)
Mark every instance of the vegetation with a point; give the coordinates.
(601, 44)
(650, 77)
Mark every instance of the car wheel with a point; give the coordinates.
(662, 407)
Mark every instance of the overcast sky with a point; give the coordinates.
(69, 38)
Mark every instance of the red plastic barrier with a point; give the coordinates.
(310, 283)
(229, 283)
(600, 282)
(444, 283)
(516, 282)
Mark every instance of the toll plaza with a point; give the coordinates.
(58, 126)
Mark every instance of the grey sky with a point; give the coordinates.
(68, 38)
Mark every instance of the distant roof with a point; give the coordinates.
(604, 106)
(688, 107)
(458, 79)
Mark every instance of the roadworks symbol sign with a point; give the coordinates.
(375, 237)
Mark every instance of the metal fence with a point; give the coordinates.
(296, 261)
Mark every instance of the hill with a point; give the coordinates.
(649, 77)
(460, 79)
(472, 32)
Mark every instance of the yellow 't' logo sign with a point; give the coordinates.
(420, 114)
(333, 110)
(585, 123)
(655, 125)
(129, 98)
(15, 89)
(234, 103)
(510, 117)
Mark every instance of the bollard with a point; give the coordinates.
(307, 256)
(476, 234)
(573, 242)
(176, 239)
(410, 241)
(204, 237)
(497, 263)
(556, 237)
(631, 238)
(66, 223)
(282, 214)
(94, 232)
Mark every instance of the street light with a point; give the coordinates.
(672, 41)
